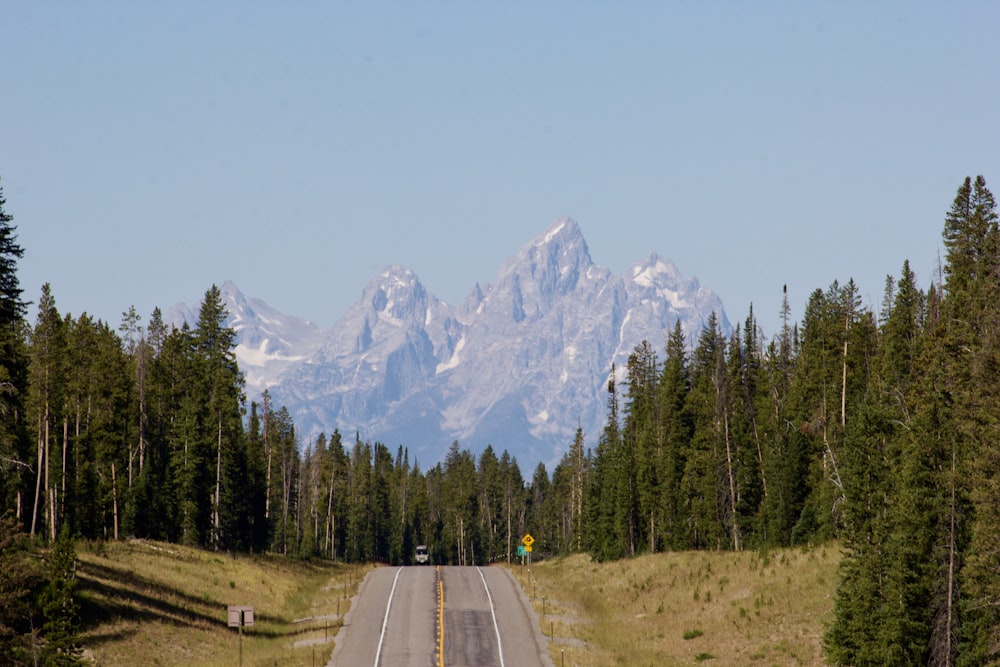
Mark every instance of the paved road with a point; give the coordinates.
(394, 621)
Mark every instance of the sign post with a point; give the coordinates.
(527, 541)
(240, 616)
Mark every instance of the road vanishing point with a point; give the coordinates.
(440, 617)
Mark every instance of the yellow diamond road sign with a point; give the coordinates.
(527, 540)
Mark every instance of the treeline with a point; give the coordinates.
(878, 427)
(145, 432)
(881, 429)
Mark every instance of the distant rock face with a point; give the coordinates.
(519, 365)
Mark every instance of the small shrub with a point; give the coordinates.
(704, 655)
(691, 634)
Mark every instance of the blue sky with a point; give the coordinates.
(149, 150)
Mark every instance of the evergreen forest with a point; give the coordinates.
(877, 426)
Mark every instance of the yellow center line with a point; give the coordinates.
(440, 618)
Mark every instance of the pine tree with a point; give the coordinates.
(972, 304)
(459, 499)
(514, 501)
(869, 626)
(540, 518)
(921, 546)
(360, 531)
(222, 386)
(192, 467)
(490, 489)
(19, 578)
(677, 428)
(337, 493)
(384, 511)
(253, 498)
(96, 428)
(707, 508)
(15, 475)
(414, 514)
(608, 507)
(568, 489)
(284, 503)
(152, 509)
(401, 544)
(47, 380)
(746, 448)
(61, 647)
(970, 237)
(643, 441)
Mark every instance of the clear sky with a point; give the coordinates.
(149, 150)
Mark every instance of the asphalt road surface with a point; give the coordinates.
(397, 620)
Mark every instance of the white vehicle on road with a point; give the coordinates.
(421, 555)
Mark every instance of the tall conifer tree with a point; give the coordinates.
(14, 449)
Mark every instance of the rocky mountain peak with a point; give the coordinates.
(397, 296)
(519, 365)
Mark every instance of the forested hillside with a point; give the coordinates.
(874, 426)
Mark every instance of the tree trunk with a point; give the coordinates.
(760, 455)
(48, 454)
(141, 371)
(843, 378)
(267, 476)
(328, 543)
(732, 481)
(52, 513)
(114, 497)
(508, 528)
(65, 448)
(38, 479)
(216, 518)
(949, 616)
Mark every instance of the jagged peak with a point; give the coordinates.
(393, 278)
(551, 264)
(562, 243)
(396, 293)
(653, 270)
(566, 234)
(394, 275)
(562, 230)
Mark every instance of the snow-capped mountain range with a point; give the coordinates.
(520, 364)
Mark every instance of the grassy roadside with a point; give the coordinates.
(153, 603)
(750, 608)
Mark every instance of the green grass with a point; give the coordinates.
(749, 608)
(152, 603)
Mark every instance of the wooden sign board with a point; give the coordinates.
(240, 616)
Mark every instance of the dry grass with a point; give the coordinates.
(152, 603)
(686, 608)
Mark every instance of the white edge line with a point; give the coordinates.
(492, 613)
(385, 621)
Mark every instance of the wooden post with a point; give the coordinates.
(114, 496)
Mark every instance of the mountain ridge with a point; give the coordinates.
(519, 364)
